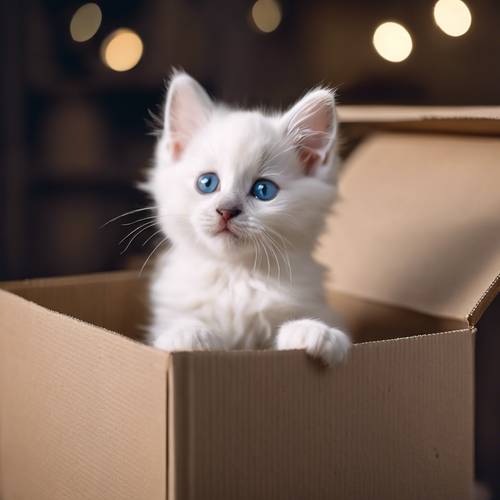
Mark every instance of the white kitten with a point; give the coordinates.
(242, 197)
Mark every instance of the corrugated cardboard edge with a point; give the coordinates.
(171, 458)
(380, 114)
(484, 301)
(125, 275)
(480, 120)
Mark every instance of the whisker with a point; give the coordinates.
(135, 236)
(254, 245)
(135, 230)
(152, 253)
(152, 236)
(260, 257)
(272, 249)
(281, 250)
(267, 258)
(284, 254)
(139, 220)
(125, 214)
(283, 239)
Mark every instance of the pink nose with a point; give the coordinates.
(228, 213)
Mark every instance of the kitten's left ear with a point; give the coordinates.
(311, 125)
(187, 109)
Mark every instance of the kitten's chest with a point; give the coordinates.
(244, 309)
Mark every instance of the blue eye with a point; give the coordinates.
(207, 183)
(264, 190)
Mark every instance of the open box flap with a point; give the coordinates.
(470, 119)
(417, 224)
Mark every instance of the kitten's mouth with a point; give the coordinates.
(225, 230)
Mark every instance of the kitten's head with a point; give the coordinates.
(235, 182)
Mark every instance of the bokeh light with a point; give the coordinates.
(392, 41)
(122, 49)
(266, 15)
(85, 22)
(453, 17)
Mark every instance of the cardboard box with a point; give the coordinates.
(88, 412)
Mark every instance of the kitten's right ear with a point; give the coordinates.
(311, 125)
(187, 108)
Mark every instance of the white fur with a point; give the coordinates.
(259, 287)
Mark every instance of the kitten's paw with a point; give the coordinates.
(188, 336)
(319, 340)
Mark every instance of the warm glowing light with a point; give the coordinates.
(122, 49)
(392, 42)
(266, 15)
(453, 17)
(85, 22)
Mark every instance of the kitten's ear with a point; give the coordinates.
(311, 125)
(187, 108)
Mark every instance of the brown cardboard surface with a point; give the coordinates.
(94, 298)
(394, 422)
(468, 119)
(418, 223)
(82, 410)
(367, 320)
(117, 301)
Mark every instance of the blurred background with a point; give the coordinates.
(79, 78)
(79, 81)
